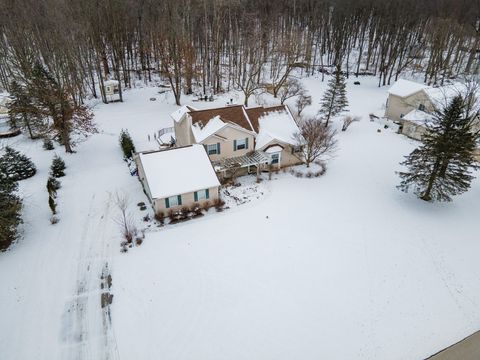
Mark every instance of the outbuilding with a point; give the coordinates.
(177, 177)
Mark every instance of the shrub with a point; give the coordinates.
(143, 208)
(53, 185)
(138, 241)
(54, 220)
(218, 203)
(126, 143)
(309, 175)
(172, 216)
(196, 209)
(16, 166)
(160, 217)
(206, 205)
(184, 212)
(141, 204)
(57, 169)
(146, 218)
(48, 144)
(10, 211)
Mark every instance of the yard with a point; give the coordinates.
(343, 266)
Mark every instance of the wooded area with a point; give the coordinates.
(216, 45)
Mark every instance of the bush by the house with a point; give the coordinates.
(16, 166)
(184, 212)
(48, 144)
(206, 205)
(172, 215)
(160, 217)
(219, 204)
(126, 144)
(57, 169)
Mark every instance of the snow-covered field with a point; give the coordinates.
(338, 267)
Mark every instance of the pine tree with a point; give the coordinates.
(57, 169)
(16, 166)
(10, 211)
(48, 144)
(442, 166)
(335, 98)
(22, 112)
(52, 204)
(127, 145)
(53, 185)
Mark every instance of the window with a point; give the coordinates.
(297, 149)
(173, 201)
(401, 116)
(275, 158)
(240, 144)
(213, 149)
(201, 195)
(108, 89)
(421, 107)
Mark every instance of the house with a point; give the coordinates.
(112, 90)
(4, 100)
(412, 104)
(240, 138)
(177, 177)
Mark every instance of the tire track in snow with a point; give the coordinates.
(86, 325)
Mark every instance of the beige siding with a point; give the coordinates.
(228, 135)
(413, 130)
(141, 176)
(188, 199)
(397, 106)
(286, 156)
(183, 131)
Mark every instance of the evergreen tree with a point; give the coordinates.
(57, 169)
(22, 112)
(334, 100)
(52, 204)
(442, 166)
(48, 144)
(16, 166)
(10, 208)
(127, 145)
(53, 185)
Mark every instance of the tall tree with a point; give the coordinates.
(442, 166)
(334, 100)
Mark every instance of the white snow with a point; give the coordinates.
(273, 149)
(213, 125)
(276, 125)
(178, 171)
(343, 266)
(178, 114)
(418, 116)
(110, 82)
(405, 88)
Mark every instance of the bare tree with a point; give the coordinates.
(303, 101)
(292, 87)
(348, 120)
(315, 140)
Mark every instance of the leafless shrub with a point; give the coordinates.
(206, 205)
(160, 217)
(348, 120)
(54, 219)
(124, 219)
(219, 204)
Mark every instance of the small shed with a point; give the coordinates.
(112, 90)
(177, 177)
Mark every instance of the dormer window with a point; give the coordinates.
(421, 107)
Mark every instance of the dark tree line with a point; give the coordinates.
(216, 45)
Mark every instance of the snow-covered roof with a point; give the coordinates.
(277, 125)
(213, 125)
(441, 96)
(110, 82)
(405, 88)
(177, 115)
(418, 116)
(178, 171)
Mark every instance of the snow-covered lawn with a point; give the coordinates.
(342, 266)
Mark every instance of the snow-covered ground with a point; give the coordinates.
(343, 266)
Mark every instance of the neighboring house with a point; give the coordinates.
(239, 137)
(4, 100)
(177, 177)
(112, 90)
(412, 104)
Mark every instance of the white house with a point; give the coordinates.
(177, 177)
